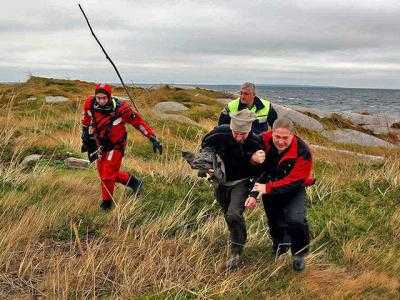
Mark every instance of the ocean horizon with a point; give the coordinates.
(325, 98)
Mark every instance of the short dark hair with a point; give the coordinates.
(283, 122)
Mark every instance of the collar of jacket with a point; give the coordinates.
(290, 153)
(109, 108)
(257, 103)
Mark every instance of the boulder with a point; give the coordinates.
(378, 124)
(168, 106)
(349, 136)
(30, 160)
(298, 118)
(76, 163)
(377, 129)
(55, 99)
(163, 109)
(319, 113)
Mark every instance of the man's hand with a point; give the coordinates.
(258, 157)
(251, 202)
(210, 173)
(156, 145)
(259, 187)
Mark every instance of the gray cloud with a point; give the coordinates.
(350, 43)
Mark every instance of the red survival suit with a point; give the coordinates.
(107, 124)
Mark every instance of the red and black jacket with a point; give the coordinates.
(288, 171)
(108, 124)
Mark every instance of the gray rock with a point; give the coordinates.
(177, 118)
(377, 129)
(163, 109)
(349, 136)
(380, 120)
(55, 99)
(76, 163)
(30, 160)
(31, 99)
(319, 113)
(378, 124)
(298, 118)
(168, 106)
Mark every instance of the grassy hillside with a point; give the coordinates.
(170, 243)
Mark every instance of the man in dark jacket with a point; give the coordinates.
(265, 113)
(240, 152)
(288, 170)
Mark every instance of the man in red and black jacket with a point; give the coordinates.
(104, 137)
(287, 171)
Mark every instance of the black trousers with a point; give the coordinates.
(232, 201)
(287, 220)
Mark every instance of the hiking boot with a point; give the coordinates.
(135, 186)
(233, 262)
(298, 263)
(106, 205)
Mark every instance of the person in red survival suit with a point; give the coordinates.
(104, 137)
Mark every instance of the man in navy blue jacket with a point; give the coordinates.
(241, 152)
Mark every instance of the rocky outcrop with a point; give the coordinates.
(298, 118)
(378, 124)
(163, 111)
(31, 160)
(76, 163)
(55, 99)
(376, 129)
(169, 106)
(349, 136)
(311, 111)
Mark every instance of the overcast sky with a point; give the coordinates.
(351, 43)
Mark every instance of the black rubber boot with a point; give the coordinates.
(135, 185)
(298, 263)
(106, 205)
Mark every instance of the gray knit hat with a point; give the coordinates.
(242, 120)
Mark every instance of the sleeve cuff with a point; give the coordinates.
(268, 187)
(253, 194)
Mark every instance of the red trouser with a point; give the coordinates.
(108, 167)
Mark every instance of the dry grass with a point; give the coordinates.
(171, 242)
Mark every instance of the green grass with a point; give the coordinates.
(169, 242)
